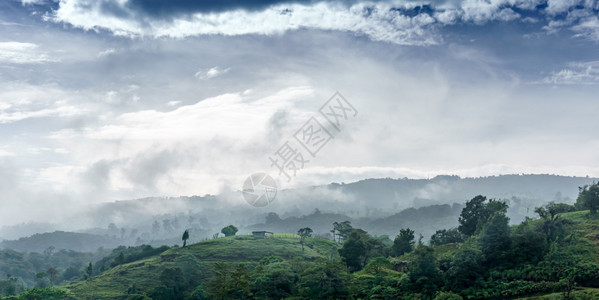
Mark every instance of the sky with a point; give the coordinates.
(102, 100)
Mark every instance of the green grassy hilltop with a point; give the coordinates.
(197, 262)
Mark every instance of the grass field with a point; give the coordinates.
(197, 260)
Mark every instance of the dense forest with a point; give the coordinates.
(555, 255)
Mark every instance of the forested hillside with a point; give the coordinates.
(555, 255)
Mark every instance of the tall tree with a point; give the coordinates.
(403, 243)
(185, 237)
(88, 271)
(304, 233)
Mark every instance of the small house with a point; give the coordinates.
(261, 234)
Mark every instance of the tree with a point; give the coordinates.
(220, 286)
(119, 259)
(358, 248)
(553, 225)
(229, 230)
(52, 274)
(341, 230)
(185, 237)
(588, 198)
(471, 215)
(446, 236)
(304, 233)
(424, 273)
(174, 281)
(495, 239)
(89, 271)
(274, 280)
(240, 281)
(353, 251)
(477, 212)
(465, 270)
(40, 280)
(403, 243)
(325, 279)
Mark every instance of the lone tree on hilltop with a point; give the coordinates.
(229, 230)
(304, 233)
(185, 237)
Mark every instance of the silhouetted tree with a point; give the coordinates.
(185, 237)
(89, 271)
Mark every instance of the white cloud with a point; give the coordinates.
(21, 101)
(107, 52)
(211, 73)
(576, 73)
(559, 6)
(169, 152)
(22, 53)
(588, 28)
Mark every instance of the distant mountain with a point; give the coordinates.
(82, 242)
(381, 206)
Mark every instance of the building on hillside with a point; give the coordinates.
(261, 234)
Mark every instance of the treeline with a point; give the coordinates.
(53, 268)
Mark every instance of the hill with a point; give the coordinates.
(197, 262)
(83, 242)
(527, 273)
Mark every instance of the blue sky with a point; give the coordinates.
(117, 99)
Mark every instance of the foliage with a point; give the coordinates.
(358, 248)
(588, 198)
(446, 236)
(229, 230)
(448, 296)
(341, 230)
(403, 243)
(304, 233)
(476, 213)
(495, 239)
(425, 276)
(324, 280)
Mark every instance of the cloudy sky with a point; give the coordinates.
(117, 99)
